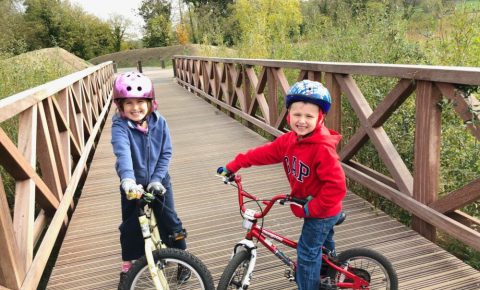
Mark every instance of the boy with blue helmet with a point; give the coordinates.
(313, 169)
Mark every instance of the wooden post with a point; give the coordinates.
(11, 270)
(114, 67)
(427, 153)
(139, 66)
(162, 63)
(334, 116)
(272, 97)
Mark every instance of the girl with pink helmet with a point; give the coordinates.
(142, 145)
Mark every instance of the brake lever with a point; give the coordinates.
(293, 200)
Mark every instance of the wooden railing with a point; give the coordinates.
(234, 85)
(58, 125)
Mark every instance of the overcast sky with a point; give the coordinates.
(104, 8)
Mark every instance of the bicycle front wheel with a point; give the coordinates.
(369, 265)
(235, 271)
(171, 261)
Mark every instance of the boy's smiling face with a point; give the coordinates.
(135, 109)
(304, 117)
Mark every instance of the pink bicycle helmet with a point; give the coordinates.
(133, 85)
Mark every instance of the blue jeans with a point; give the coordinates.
(315, 234)
(131, 239)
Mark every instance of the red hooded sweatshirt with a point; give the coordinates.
(312, 167)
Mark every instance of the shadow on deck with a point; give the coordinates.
(203, 139)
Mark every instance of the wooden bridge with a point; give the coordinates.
(63, 147)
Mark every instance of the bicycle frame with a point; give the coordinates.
(151, 235)
(262, 235)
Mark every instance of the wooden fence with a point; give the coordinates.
(254, 89)
(46, 157)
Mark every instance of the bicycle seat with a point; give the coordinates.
(342, 218)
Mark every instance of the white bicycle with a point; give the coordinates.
(159, 268)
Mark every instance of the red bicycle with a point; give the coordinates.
(356, 268)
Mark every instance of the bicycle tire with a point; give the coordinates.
(138, 277)
(235, 271)
(371, 264)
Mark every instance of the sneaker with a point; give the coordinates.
(123, 276)
(183, 274)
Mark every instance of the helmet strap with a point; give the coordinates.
(321, 120)
(140, 123)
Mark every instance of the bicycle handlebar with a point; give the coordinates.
(282, 198)
(142, 195)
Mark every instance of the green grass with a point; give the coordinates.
(34, 68)
(469, 5)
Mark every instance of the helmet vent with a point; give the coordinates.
(129, 88)
(139, 89)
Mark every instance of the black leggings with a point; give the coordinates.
(131, 239)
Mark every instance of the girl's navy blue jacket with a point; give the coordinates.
(142, 156)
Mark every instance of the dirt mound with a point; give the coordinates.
(70, 61)
(30, 69)
(154, 56)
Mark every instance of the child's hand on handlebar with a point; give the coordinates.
(156, 188)
(135, 193)
(223, 171)
(148, 197)
(305, 207)
(131, 188)
(128, 185)
(227, 175)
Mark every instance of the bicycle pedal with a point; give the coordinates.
(326, 284)
(289, 275)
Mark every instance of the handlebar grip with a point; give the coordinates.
(131, 195)
(229, 178)
(299, 200)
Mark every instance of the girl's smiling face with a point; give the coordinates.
(304, 117)
(136, 109)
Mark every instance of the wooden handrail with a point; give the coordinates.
(447, 74)
(234, 85)
(58, 125)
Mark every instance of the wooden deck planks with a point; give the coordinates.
(203, 139)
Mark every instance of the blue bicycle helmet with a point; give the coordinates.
(310, 92)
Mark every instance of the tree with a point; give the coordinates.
(12, 25)
(158, 27)
(182, 34)
(158, 32)
(220, 6)
(211, 22)
(152, 8)
(44, 19)
(118, 24)
(57, 23)
(266, 26)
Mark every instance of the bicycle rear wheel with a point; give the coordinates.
(169, 259)
(369, 265)
(235, 271)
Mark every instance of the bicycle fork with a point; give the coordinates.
(158, 277)
(252, 250)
